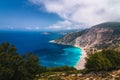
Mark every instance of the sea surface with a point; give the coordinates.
(50, 54)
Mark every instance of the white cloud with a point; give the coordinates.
(37, 28)
(65, 25)
(28, 28)
(88, 12)
(32, 28)
(61, 25)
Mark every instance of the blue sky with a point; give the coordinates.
(21, 15)
(56, 14)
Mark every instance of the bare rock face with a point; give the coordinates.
(106, 35)
(94, 38)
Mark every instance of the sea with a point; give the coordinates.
(49, 54)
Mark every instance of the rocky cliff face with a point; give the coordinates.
(106, 35)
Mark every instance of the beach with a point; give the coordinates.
(81, 63)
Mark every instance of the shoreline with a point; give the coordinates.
(81, 62)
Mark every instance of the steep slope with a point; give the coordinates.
(105, 35)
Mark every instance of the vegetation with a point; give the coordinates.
(61, 69)
(13, 66)
(103, 61)
(99, 66)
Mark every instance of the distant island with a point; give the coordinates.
(46, 33)
(94, 39)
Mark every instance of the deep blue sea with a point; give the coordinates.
(50, 54)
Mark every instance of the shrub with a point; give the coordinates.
(61, 69)
(104, 60)
(13, 66)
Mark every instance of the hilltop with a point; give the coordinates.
(105, 35)
(94, 39)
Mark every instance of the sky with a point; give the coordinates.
(56, 14)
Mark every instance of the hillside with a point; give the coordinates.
(74, 75)
(105, 35)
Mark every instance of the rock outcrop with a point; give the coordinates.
(106, 35)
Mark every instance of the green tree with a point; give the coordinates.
(13, 66)
(114, 58)
(104, 60)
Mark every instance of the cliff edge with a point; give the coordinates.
(96, 38)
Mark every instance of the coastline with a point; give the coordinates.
(81, 62)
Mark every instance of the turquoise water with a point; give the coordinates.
(50, 54)
(71, 52)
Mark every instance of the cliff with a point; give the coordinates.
(105, 35)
